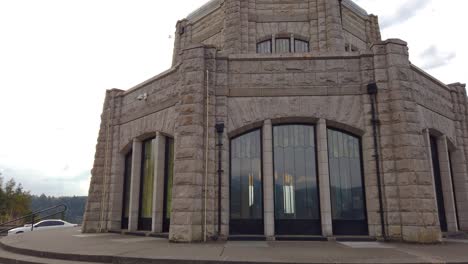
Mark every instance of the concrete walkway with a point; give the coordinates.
(70, 244)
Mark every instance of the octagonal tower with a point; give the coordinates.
(280, 120)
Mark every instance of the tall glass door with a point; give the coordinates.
(126, 190)
(246, 193)
(146, 187)
(168, 178)
(438, 184)
(297, 207)
(346, 184)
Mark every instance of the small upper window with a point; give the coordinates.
(301, 46)
(283, 45)
(264, 46)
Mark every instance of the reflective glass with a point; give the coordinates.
(246, 178)
(283, 45)
(301, 46)
(295, 172)
(147, 180)
(264, 47)
(169, 170)
(127, 180)
(346, 186)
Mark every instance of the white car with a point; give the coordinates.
(42, 225)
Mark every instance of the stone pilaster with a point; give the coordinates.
(222, 117)
(232, 26)
(334, 29)
(135, 185)
(181, 39)
(159, 154)
(97, 209)
(322, 25)
(268, 180)
(373, 29)
(187, 218)
(459, 155)
(324, 179)
(408, 190)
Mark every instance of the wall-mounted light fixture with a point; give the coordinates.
(142, 97)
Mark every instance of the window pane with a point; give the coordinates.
(346, 187)
(264, 47)
(296, 195)
(246, 178)
(301, 46)
(147, 180)
(282, 45)
(169, 170)
(127, 180)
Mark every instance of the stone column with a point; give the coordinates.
(232, 26)
(324, 178)
(159, 152)
(334, 29)
(268, 181)
(135, 186)
(460, 154)
(98, 215)
(408, 192)
(187, 216)
(445, 173)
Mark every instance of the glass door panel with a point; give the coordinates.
(297, 207)
(126, 190)
(346, 184)
(438, 184)
(168, 177)
(146, 187)
(246, 185)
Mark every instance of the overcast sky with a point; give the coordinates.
(57, 58)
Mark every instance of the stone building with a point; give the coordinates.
(281, 119)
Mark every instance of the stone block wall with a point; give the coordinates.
(97, 206)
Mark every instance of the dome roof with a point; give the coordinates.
(213, 4)
(356, 8)
(204, 9)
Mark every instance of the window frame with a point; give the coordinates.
(292, 42)
(144, 223)
(301, 228)
(365, 222)
(124, 219)
(257, 231)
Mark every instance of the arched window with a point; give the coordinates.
(301, 46)
(283, 45)
(126, 189)
(297, 206)
(246, 185)
(264, 47)
(346, 184)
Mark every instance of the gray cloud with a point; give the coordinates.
(433, 58)
(404, 12)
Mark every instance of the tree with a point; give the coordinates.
(14, 201)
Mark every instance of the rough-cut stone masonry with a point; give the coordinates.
(217, 77)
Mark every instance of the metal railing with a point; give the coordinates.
(33, 218)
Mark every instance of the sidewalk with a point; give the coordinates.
(70, 244)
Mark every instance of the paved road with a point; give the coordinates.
(71, 241)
